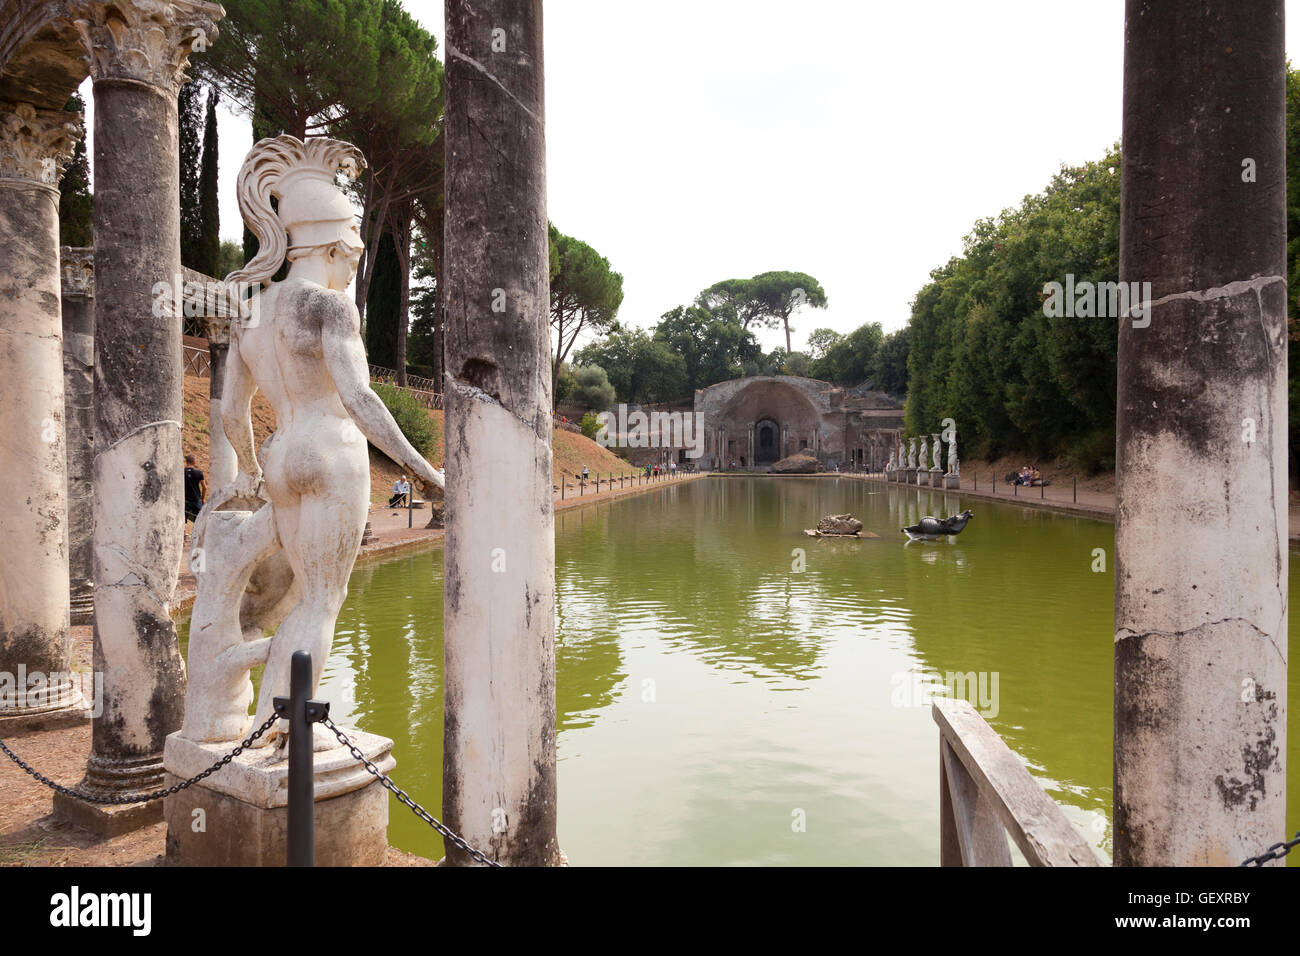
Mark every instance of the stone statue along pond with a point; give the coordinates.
(718, 706)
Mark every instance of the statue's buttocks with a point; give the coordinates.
(286, 563)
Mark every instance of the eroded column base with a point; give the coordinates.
(13, 724)
(106, 821)
(82, 606)
(110, 777)
(52, 709)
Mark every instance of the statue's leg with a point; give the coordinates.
(320, 535)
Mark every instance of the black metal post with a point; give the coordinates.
(1042, 491)
(1076, 489)
(301, 714)
(410, 507)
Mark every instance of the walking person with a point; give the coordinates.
(196, 489)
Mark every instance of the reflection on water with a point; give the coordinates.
(711, 695)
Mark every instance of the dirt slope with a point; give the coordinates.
(570, 451)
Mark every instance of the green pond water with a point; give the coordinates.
(722, 699)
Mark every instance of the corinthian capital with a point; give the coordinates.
(34, 144)
(78, 264)
(145, 40)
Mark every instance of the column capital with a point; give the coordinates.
(34, 143)
(148, 41)
(77, 265)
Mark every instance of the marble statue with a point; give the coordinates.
(934, 453)
(925, 452)
(954, 466)
(275, 548)
(892, 463)
(911, 453)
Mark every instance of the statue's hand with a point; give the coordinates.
(248, 485)
(429, 475)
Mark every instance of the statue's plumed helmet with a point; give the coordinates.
(312, 209)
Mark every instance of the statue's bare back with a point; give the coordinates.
(299, 343)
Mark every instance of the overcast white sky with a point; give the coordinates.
(691, 141)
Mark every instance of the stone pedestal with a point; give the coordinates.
(952, 481)
(239, 816)
(907, 475)
(936, 477)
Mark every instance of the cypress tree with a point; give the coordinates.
(189, 111)
(383, 305)
(76, 204)
(209, 211)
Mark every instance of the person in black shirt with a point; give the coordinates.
(196, 489)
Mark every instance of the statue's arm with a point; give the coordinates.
(236, 418)
(345, 357)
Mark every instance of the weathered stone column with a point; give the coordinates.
(499, 787)
(1201, 510)
(78, 267)
(222, 465)
(138, 50)
(34, 635)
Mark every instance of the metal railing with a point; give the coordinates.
(421, 388)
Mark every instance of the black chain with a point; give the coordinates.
(401, 795)
(155, 795)
(1275, 852)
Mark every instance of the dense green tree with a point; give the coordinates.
(591, 388)
(76, 205)
(850, 359)
(585, 295)
(981, 348)
(891, 363)
(821, 341)
(189, 114)
(384, 306)
(401, 135)
(209, 201)
(229, 259)
(422, 344)
(767, 300)
(641, 368)
(304, 65)
(781, 294)
(735, 297)
(713, 348)
(799, 364)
